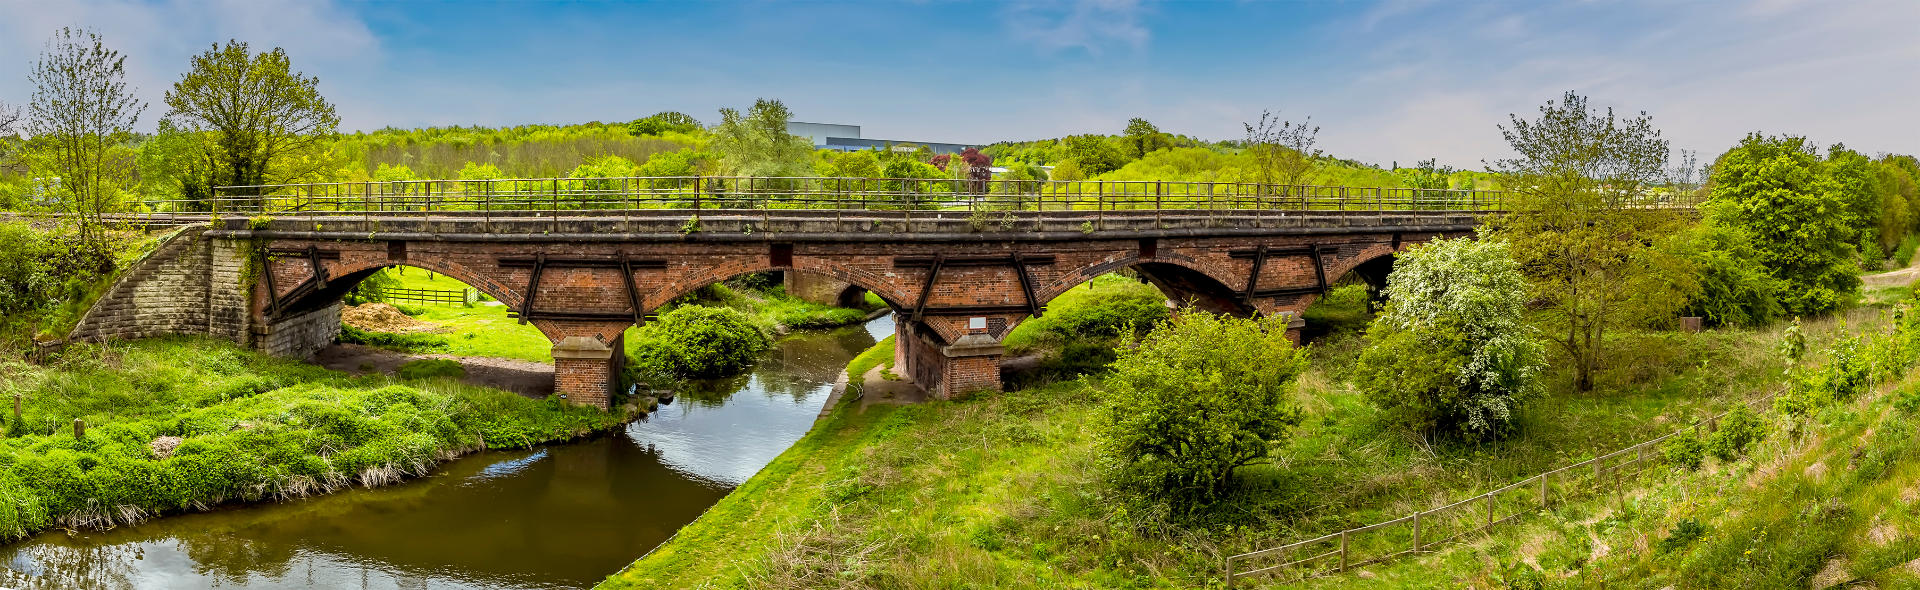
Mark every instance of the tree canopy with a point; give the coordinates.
(267, 123)
(1577, 229)
(81, 118)
(757, 143)
(1773, 189)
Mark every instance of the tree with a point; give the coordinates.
(267, 123)
(1201, 396)
(81, 118)
(1429, 174)
(1579, 226)
(1772, 188)
(663, 122)
(1452, 351)
(1282, 151)
(172, 166)
(757, 143)
(1093, 153)
(1855, 176)
(1143, 138)
(1735, 289)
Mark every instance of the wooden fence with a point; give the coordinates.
(431, 296)
(1418, 532)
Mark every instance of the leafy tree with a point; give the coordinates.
(1578, 226)
(1067, 170)
(1452, 351)
(757, 143)
(172, 166)
(1093, 153)
(599, 171)
(81, 117)
(1143, 138)
(663, 122)
(268, 123)
(1428, 174)
(1859, 183)
(390, 173)
(1283, 151)
(853, 164)
(1735, 289)
(1772, 189)
(1201, 396)
(682, 162)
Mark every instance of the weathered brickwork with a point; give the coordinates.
(950, 320)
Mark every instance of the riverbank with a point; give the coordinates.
(1006, 490)
(184, 424)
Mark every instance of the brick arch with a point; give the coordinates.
(691, 282)
(1077, 277)
(357, 266)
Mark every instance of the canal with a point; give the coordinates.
(558, 516)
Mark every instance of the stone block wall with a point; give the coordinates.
(300, 335)
(164, 293)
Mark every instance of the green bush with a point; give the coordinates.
(1199, 397)
(1741, 427)
(1684, 449)
(1452, 352)
(1684, 533)
(1735, 289)
(430, 368)
(698, 342)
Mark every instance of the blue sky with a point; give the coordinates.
(1395, 80)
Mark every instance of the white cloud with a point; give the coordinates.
(1089, 25)
(158, 38)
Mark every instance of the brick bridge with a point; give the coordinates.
(957, 280)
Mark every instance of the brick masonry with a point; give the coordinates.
(192, 284)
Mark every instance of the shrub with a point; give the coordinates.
(430, 368)
(1684, 449)
(1451, 351)
(1741, 427)
(699, 342)
(1735, 289)
(1684, 533)
(1199, 397)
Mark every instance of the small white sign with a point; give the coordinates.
(976, 323)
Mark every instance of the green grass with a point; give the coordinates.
(1006, 490)
(250, 427)
(880, 354)
(419, 278)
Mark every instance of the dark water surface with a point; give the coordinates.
(561, 516)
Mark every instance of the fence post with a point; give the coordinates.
(16, 406)
(1229, 571)
(79, 428)
(1490, 514)
(1543, 488)
(1343, 551)
(1416, 531)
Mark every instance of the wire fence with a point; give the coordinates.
(1478, 515)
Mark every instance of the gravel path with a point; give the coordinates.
(1894, 278)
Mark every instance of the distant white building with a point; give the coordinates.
(846, 138)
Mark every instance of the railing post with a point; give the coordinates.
(1416, 531)
(1343, 551)
(1229, 571)
(1490, 513)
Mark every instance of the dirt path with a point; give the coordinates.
(1894, 278)
(528, 378)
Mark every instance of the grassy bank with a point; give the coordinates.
(1006, 490)
(178, 424)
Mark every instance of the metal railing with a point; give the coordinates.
(1424, 529)
(759, 193)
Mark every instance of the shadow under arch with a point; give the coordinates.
(337, 287)
(1183, 282)
(859, 282)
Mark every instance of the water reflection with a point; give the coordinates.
(563, 516)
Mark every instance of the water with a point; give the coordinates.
(561, 516)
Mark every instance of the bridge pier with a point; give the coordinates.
(969, 364)
(586, 369)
